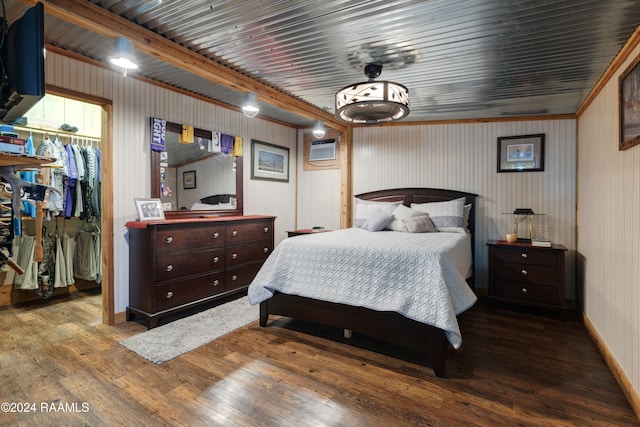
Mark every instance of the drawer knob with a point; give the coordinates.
(266, 250)
(266, 229)
(216, 282)
(234, 277)
(169, 239)
(216, 259)
(523, 255)
(169, 294)
(169, 267)
(524, 272)
(234, 256)
(234, 233)
(524, 290)
(215, 235)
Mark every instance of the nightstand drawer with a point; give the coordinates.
(527, 273)
(526, 256)
(532, 292)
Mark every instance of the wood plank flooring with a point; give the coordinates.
(515, 369)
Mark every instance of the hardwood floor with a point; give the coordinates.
(514, 369)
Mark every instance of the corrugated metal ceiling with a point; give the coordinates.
(459, 59)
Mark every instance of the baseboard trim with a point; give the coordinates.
(120, 317)
(627, 388)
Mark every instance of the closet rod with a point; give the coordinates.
(55, 132)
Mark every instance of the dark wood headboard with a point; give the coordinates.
(426, 195)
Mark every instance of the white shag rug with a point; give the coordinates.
(169, 341)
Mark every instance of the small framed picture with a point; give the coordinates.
(521, 153)
(189, 180)
(269, 161)
(149, 209)
(629, 82)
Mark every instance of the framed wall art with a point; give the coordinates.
(521, 153)
(268, 161)
(149, 209)
(629, 88)
(189, 180)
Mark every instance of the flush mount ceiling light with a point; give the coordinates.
(372, 102)
(318, 129)
(250, 105)
(124, 55)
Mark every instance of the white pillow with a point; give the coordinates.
(409, 220)
(366, 208)
(446, 216)
(377, 221)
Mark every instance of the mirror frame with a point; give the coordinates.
(177, 214)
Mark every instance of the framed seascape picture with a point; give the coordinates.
(189, 180)
(629, 87)
(149, 209)
(521, 153)
(268, 161)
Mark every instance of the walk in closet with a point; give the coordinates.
(56, 237)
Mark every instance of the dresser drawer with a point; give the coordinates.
(241, 276)
(248, 252)
(527, 273)
(180, 292)
(243, 232)
(526, 256)
(174, 265)
(532, 292)
(171, 239)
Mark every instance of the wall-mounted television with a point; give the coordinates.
(22, 80)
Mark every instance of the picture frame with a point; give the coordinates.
(269, 161)
(149, 209)
(189, 180)
(524, 153)
(629, 100)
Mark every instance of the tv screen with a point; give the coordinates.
(22, 65)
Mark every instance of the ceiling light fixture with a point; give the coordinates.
(124, 55)
(318, 129)
(250, 105)
(372, 102)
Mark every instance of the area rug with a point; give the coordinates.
(169, 341)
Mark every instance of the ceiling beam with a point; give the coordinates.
(96, 19)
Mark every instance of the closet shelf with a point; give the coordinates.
(11, 159)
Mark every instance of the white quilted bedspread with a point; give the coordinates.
(419, 275)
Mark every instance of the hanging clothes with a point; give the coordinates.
(87, 263)
(28, 208)
(88, 185)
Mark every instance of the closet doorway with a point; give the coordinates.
(78, 220)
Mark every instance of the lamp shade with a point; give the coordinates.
(250, 105)
(372, 102)
(124, 54)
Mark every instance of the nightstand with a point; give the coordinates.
(303, 231)
(525, 275)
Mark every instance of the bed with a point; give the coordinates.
(343, 278)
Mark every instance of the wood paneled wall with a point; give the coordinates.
(608, 227)
(134, 101)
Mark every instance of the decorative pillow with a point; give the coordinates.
(467, 212)
(446, 216)
(377, 221)
(409, 220)
(366, 208)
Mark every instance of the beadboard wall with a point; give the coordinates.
(461, 157)
(134, 101)
(609, 249)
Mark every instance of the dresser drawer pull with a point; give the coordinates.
(169, 267)
(266, 250)
(216, 282)
(234, 278)
(169, 294)
(169, 239)
(266, 229)
(523, 255)
(234, 233)
(234, 256)
(524, 290)
(215, 235)
(524, 272)
(216, 259)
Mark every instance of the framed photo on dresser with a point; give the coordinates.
(149, 209)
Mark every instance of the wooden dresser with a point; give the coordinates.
(529, 276)
(180, 263)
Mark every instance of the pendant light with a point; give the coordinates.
(318, 129)
(124, 55)
(250, 106)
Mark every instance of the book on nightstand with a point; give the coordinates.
(541, 243)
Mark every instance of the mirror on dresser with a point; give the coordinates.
(194, 179)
